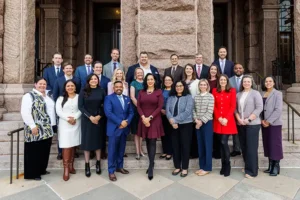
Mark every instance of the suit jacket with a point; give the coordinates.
(178, 74)
(50, 75)
(273, 108)
(108, 69)
(233, 83)
(116, 114)
(130, 74)
(59, 86)
(229, 66)
(81, 73)
(253, 105)
(103, 82)
(204, 72)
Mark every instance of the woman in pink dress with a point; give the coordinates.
(149, 104)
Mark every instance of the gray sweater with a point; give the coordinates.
(185, 109)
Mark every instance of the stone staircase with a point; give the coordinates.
(11, 121)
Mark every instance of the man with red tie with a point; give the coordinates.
(109, 68)
(200, 69)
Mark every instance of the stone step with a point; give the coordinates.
(12, 116)
(288, 147)
(290, 160)
(10, 125)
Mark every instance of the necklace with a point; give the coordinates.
(150, 91)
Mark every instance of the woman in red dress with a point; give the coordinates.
(224, 122)
(149, 104)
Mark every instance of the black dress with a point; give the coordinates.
(92, 134)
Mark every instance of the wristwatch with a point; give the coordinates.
(249, 120)
(151, 117)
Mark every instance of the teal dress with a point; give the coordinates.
(135, 121)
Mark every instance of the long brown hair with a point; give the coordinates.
(227, 87)
(193, 75)
(218, 72)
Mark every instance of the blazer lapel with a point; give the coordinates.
(270, 95)
(246, 100)
(117, 99)
(53, 71)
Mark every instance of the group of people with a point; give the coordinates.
(193, 109)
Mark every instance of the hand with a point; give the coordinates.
(35, 131)
(265, 123)
(171, 121)
(175, 126)
(240, 121)
(246, 121)
(98, 117)
(93, 120)
(146, 120)
(124, 123)
(224, 121)
(71, 120)
(199, 123)
(163, 112)
(147, 124)
(220, 120)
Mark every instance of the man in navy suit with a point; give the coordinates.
(145, 65)
(200, 69)
(53, 72)
(60, 82)
(119, 112)
(225, 66)
(98, 71)
(83, 71)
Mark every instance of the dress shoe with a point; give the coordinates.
(163, 156)
(138, 157)
(275, 168)
(235, 153)
(45, 173)
(122, 171)
(98, 167)
(59, 156)
(203, 173)
(174, 173)
(168, 157)
(112, 177)
(183, 175)
(87, 170)
(269, 168)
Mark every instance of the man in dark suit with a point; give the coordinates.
(119, 112)
(175, 71)
(59, 83)
(83, 71)
(200, 69)
(145, 65)
(53, 72)
(225, 66)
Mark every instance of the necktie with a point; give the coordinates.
(115, 66)
(121, 100)
(57, 71)
(173, 71)
(223, 66)
(89, 69)
(199, 71)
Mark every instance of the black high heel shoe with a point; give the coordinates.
(150, 173)
(87, 170)
(98, 168)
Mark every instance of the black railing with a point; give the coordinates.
(11, 134)
(39, 68)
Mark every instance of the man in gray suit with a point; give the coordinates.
(109, 68)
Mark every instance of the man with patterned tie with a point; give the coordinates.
(225, 66)
(109, 68)
(119, 112)
(53, 72)
(200, 69)
(175, 71)
(83, 71)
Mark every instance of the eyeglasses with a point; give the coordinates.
(179, 86)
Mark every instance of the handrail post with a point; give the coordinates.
(18, 149)
(288, 115)
(11, 157)
(293, 127)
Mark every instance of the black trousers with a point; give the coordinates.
(36, 157)
(167, 140)
(181, 141)
(225, 151)
(249, 136)
(216, 145)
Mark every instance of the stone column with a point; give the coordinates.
(70, 32)
(129, 23)
(297, 38)
(19, 41)
(53, 31)
(269, 34)
(205, 30)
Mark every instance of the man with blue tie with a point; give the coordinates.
(60, 82)
(225, 66)
(109, 68)
(119, 112)
(53, 72)
(83, 71)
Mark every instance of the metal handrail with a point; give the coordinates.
(11, 134)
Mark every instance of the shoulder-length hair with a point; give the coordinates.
(194, 73)
(185, 92)
(87, 89)
(138, 68)
(65, 93)
(114, 77)
(227, 87)
(252, 82)
(206, 82)
(218, 71)
(145, 84)
(263, 86)
(163, 81)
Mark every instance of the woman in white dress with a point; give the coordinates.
(69, 129)
(117, 76)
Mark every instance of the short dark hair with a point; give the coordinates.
(38, 79)
(163, 81)
(97, 62)
(143, 52)
(218, 72)
(194, 73)
(115, 49)
(88, 55)
(66, 64)
(263, 87)
(57, 53)
(174, 54)
(252, 82)
(228, 86)
(222, 47)
(185, 92)
(145, 85)
(118, 82)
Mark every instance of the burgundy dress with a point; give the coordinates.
(150, 104)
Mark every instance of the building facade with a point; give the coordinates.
(256, 33)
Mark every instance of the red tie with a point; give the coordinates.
(199, 71)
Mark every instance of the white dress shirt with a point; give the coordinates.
(68, 78)
(146, 70)
(26, 107)
(87, 70)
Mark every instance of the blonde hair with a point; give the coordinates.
(114, 77)
(204, 80)
(138, 68)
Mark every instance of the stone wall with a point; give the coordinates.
(162, 28)
(297, 38)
